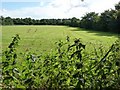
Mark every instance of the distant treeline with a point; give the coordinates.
(108, 21)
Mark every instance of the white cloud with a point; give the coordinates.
(61, 8)
(101, 5)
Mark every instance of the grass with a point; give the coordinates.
(42, 38)
(60, 68)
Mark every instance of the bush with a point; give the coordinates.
(67, 67)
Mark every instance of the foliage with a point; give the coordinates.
(107, 21)
(69, 66)
(89, 20)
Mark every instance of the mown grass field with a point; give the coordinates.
(42, 38)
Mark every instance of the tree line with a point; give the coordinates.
(108, 21)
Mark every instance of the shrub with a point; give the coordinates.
(67, 67)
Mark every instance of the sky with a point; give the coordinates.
(39, 9)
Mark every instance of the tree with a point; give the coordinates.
(7, 21)
(104, 20)
(18, 21)
(74, 22)
(117, 8)
(89, 20)
(2, 20)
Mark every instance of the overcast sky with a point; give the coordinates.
(38, 9)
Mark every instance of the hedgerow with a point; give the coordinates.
(68, 66)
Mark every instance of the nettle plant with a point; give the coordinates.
(9, 62)
(68, 66)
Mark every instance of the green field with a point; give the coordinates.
(43, 38)
(95, 67)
